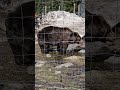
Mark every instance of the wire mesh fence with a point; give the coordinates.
(59, 43)
(73, 6)
(102, 26)
(15, 53)
(59, 46)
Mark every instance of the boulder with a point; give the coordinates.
(104, 8)
(115, 46)
(104, 79)
(72, 47)
(58, 28)
(99, 51)
(96, 27)
(76, 60)
(64, 19)
(14, 31)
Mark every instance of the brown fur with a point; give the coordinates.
(54, 36)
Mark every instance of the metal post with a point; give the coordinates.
(74, 8)
(45, 9)
(79, 9)
(62, 5)
(59, 8)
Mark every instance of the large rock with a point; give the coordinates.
(77, 60)
(58, 29)
(8, 6)
(115, 33)
(108, 9)
(96, 27)
(64, 19)
(115, 46)
(11, 28)
(104, 79)
(99, 51)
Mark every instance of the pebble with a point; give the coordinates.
(82, 51)
(64, 65)
(57, 72)
(40, 63)
(48, 55)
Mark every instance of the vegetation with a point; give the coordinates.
(53, 5)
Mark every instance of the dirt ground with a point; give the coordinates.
(51, 74)
(12, 74)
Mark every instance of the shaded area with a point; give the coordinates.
(20, 33)
(102, 54)
(17, 55)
